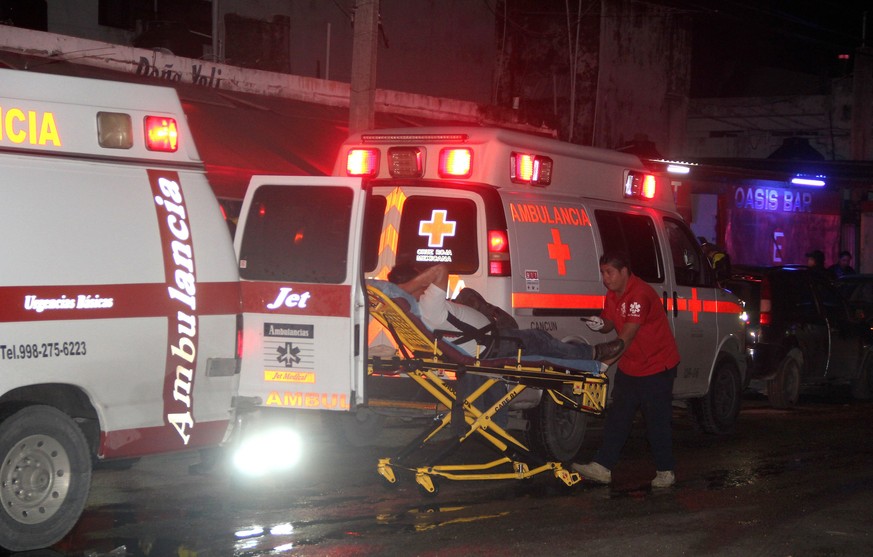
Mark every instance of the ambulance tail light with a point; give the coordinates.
(161, 134)
(765, 317)
(530, 169)
(498, 254)
(456, 163)
(239, 337)
(640, 186)
(405, 162)
(363, 163)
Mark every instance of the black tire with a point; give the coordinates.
(862, 386)
(717, 411)
(361, 428)
(45, 477)
(556, 433)
(783, 391)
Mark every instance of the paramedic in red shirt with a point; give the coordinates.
(646, 369)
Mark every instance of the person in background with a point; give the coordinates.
(843, 266)
(646, 369)
(718, 258)
(815, 260)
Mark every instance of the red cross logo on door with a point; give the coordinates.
(437, 228)
(558, 251)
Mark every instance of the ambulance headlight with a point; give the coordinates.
(271, 450)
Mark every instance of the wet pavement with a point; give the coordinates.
(786, 483)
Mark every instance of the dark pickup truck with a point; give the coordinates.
(801, 333)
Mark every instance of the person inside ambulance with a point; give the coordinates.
(430, 286)
(646, 370)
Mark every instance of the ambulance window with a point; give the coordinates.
(689, 265)
(373, 217)
(439, 230)
(297, 234)
(634, 235)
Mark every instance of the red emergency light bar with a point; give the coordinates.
(362, 162)
(456, 162)
(640, 186)
(525, 168)
(161, 134)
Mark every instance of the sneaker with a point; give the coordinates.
(594, 472)
(664, 478)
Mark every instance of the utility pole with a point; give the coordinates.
(362, 101)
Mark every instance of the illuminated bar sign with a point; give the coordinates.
(757, 198)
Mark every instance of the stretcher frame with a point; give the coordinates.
(425, 356)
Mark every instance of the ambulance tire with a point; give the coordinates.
(555, 433)
(862, 386)
(716, 412)
(783, 391)
(361, 428)
(46, 456)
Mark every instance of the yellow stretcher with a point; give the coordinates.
(425, 356)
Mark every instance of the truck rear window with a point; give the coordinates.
(297, 234)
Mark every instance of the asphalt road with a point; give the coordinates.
(785, 483)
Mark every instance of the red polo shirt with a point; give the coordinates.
(653, 348)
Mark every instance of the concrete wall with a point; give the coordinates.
(644, 76)
(754, 127)
(443, 48)
(167, 69)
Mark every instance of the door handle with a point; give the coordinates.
(675, 304)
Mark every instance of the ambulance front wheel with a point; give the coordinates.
(716, 412)
(45, 476)
(555, 433)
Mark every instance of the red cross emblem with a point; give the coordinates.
(437, 228)
(695, 305)
(559, 252)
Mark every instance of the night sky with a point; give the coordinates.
(747, 47)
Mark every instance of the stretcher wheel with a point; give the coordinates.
(388, 483)
(426, 493)
(427, 485)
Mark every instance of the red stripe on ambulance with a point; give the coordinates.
(325, 300)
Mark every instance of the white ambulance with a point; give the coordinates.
(522, 219)
(120, 292)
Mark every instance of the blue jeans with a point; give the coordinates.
(654, 395)
(540, 343)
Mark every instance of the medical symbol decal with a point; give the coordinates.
(559, 251)
(288, 354)
(635, 309)
(437, 228)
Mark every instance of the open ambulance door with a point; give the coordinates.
(298, 246)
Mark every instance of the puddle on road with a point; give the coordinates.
(738, 477)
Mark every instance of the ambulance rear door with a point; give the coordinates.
(298, 245)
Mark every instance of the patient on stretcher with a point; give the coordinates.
(477, 335)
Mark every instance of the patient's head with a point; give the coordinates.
(403, 272)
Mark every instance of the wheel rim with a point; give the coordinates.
(34, 479)
(792, 382)
(726, 399)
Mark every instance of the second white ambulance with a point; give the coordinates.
(119, 288)
(522, 219)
